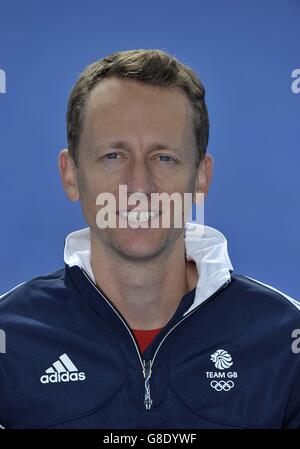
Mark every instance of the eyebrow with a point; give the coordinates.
(126, 146)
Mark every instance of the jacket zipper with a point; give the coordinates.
(147, 364)
(147, 374)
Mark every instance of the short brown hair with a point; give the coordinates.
(155, 67)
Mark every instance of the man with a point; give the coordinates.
(144, 326)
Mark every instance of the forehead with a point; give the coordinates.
(121, 106)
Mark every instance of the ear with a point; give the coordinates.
(204, 175)
(68, 173)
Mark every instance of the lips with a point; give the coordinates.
(138, 216)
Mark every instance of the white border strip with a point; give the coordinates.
(11, 290)
(292, 300)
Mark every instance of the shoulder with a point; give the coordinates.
(263, 307)
(30, 294)
(268, 294)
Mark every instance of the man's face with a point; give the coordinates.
(123, 122)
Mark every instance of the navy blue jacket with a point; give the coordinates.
(224, 360)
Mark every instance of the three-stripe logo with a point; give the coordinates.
(63, 370)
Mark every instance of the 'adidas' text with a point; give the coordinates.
(64, 377)
(63, 370)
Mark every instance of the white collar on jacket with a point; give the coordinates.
(205, 245)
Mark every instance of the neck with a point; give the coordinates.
(146, 293)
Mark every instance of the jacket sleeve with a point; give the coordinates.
(292, 414)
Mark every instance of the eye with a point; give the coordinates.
(165, 158)
(111, 156)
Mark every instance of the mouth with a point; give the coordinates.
(138, 216)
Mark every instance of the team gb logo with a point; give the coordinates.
(221, 359)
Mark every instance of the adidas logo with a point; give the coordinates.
(63, 370)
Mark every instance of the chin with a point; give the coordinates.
(141, 247)
(138, 245)
(140, 250)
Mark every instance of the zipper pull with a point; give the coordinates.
(147, 374)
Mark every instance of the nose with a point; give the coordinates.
(139, 178)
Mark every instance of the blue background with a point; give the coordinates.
(243, 51)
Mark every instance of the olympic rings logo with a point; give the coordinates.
(222, 385)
